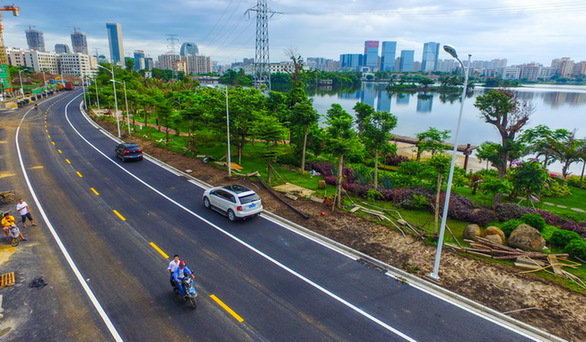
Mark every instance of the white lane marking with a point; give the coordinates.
(76, 271)
(245, 244)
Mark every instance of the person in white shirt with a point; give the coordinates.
(25, 212)
(172, 267)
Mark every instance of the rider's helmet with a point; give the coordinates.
(181, 263)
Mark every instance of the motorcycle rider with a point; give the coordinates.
(181, 272)
(8, 222)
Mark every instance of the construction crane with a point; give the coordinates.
(15, 12)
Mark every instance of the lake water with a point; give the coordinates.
(555, 107)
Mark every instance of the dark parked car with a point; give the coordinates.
(126, 151)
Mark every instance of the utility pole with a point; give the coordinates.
(262, 74)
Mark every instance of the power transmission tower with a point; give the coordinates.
(262, 74)
(173, 55)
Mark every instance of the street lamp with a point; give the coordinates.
(97, 94)
(452, 51)
(126, 101)
(115, 97)
(228, 159)
(20, 78)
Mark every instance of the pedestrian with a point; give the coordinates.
(172, 267)
(25, 212)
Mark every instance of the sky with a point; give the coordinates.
(521, 31)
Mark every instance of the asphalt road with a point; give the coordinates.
(257, 280)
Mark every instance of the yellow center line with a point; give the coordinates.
(48, 136)
(159, 250)
(67, 160)
(118, 214)
(52, 142)
(227, 308)
(95, 191)
(58, 150)
(79, 174)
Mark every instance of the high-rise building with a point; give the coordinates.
(188, 49)
(62, 48)
(79, 41)
(430, 56)
(388, 54)
(35, 39)
(351, 61)
(407, 60)
(139, 60)
(371, 54)
(115, 42)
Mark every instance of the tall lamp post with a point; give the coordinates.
(20, 78)
(126, 101)
(228, 160)
(115, 96)
(435, 274)
(97, 94)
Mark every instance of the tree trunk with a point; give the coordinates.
(437, 203)
(376, 170)
(304, 149)
(269, 171)
(340, 178)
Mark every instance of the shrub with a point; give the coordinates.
(325, 168)
(510, 211)
(556, 187)
(331, 180)
(577, 249)
(560, 238)
(395, 159)
(534, 220)
(373, 195)
(510, 225)
(574, 227)
(356, 189)
(551, 218)
(481, 216)
(575, 181)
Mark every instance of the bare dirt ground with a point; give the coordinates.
(554, 308)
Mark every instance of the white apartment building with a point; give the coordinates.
(75, 63)
(15, 56)
(42, 61)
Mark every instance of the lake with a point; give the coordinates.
(555, 106)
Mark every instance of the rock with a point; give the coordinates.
(492, 230)
(527, 238)
(496, 238)
(472, 232)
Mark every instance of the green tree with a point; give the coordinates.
(567, 149)
(538, 141)
(432, 140)
(503, 110)
(528, 179)
(340, 141)
(271, 131)
(302, 117)
(375, 131)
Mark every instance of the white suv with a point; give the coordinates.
(234, 201)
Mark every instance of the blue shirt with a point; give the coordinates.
(179, 274)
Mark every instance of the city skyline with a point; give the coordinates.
(520, 31)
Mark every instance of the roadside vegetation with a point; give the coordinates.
(281, 136)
